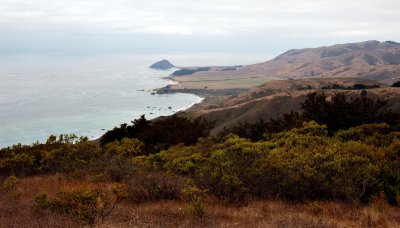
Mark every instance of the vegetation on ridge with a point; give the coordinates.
(336, 112)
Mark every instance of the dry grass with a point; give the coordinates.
(19, 212)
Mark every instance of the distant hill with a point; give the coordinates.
(162, 65)
(370, 60)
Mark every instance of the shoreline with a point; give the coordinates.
(94, 133)
(156, 90)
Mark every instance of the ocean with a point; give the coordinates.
(87, 95)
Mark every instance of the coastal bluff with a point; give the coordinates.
(162, 65)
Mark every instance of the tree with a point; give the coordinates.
(396, 84)
(341, 112)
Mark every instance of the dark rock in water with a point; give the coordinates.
(162, 65)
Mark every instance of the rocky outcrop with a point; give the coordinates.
(162, 65)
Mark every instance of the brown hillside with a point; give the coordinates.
(374, 60)
(371, 60)
(278, 97)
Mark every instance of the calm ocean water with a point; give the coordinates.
(87, 95)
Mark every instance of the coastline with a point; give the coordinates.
(158, 91)
(95, 108)
(211, 95)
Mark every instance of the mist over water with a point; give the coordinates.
(87, 95)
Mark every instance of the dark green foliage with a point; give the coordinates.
(354, 87)
(125, 131)
(396, 84)
(342, 113)
(334, 86)
(115, 168)
(162, 133)
(389, 179)
(256, 131)
(364, 93)
(247, 130)
(301, 164)
(66, 154)
(360, 86)
(232, 170)
(174, 130)
(182, 72)
(339, 112)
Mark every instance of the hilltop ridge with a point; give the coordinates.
(372, 60)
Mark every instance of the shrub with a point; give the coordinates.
(10, 183)
(389, 178)
(17, 164)
(314, 208)
(342, 113)
(180, 159)
(338, 112)
(232, 169)
(359, 86)
(396, 84)
(256, 131)
(146, 187)
(10, 188)
(379, 202)
(162, 133)
(194, 197)
(115, 168)
(69, 158)
(65, 154)
(86, 204)
(126, 148)
(125, 131)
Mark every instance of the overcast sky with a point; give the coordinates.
(186, 25)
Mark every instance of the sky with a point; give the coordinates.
(262, 26)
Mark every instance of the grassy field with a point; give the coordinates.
(219, 80)
(20, 212)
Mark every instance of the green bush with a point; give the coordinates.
(232, 169)
(396, 84)
(10, 189)
(162, 133)
(194, 197)
(114, 168)
(86, 204)
(126, 148)
(65, 154)
(17, 164)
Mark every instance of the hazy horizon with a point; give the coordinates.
(253, 26)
